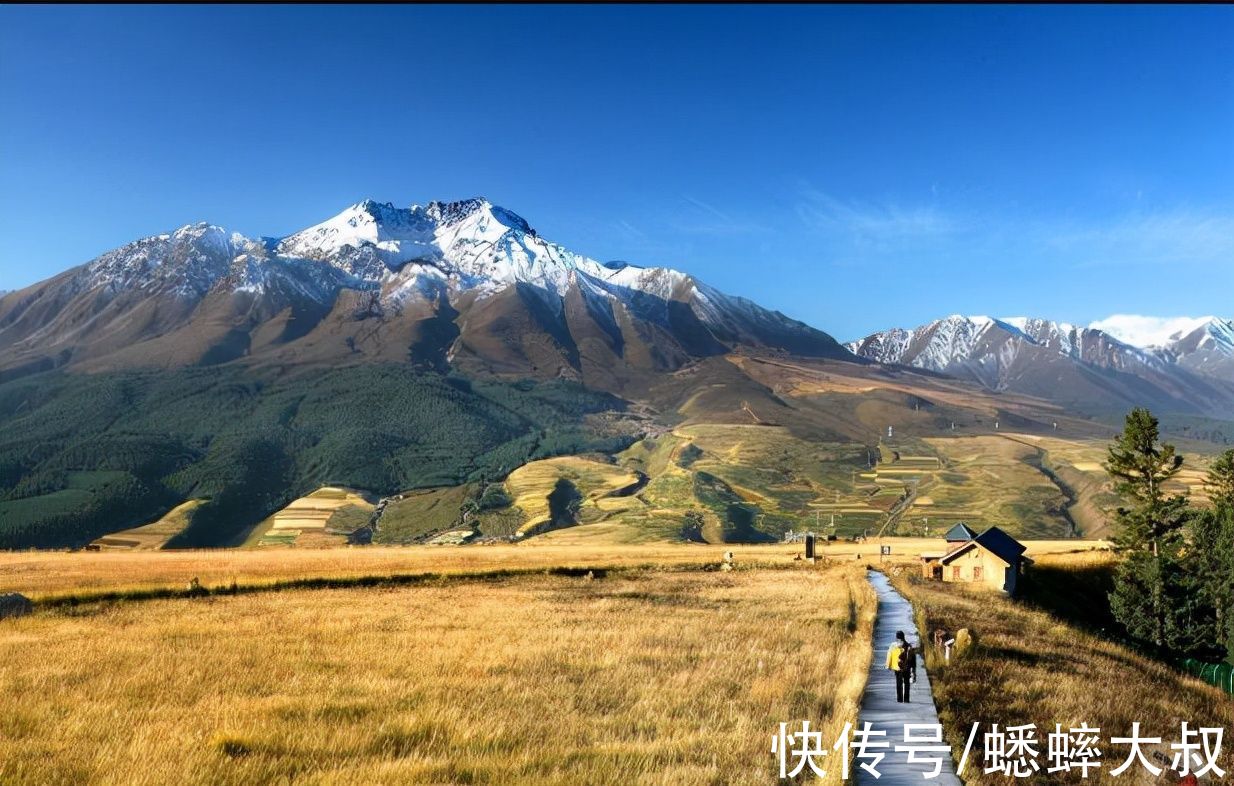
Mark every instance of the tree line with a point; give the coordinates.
(1174, 586)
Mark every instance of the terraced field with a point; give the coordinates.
(324, 518)
(151, 536)
(561, 492)
(726, 482)
(734, 482)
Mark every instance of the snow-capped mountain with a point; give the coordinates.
(1202, 344)
(446, 283)
(958, 339)
(1054, 360)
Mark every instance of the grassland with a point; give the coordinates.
(1030, 666)
(996, 480)
(649, 677)
(730, 483)
(52, 575)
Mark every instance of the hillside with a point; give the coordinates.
(82, 456)
(730, 449)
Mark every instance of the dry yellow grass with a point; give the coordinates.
(652, 677)
(1031, 667)
(48, 574)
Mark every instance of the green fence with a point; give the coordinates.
(1219, 674)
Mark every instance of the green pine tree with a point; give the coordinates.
(1153, 596)
(1212, 537)
(1220, 484)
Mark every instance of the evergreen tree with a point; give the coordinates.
(1221, 479)
(1154, 596)
(1212, 536)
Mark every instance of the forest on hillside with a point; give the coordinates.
(84, 455)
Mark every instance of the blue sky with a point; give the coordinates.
(854, 167)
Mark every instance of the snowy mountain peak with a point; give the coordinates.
(375, 260)
(1164, 332)
(400, 252)
(1218, 334)
(993, 343)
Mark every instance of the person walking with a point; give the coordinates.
(902, 661)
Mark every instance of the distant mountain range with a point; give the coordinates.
(444, 345)
(1188, 369)
(466, 285)
(472, 287)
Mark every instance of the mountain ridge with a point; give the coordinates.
(1058, 360)
(465, 281)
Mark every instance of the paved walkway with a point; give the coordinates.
(878, 704)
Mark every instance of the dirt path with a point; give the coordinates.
(878, 704)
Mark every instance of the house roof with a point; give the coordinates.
(960, 531)
(995, 541)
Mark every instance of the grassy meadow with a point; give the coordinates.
(648, 676)
(59, 576)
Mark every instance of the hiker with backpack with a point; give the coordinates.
(902, 660)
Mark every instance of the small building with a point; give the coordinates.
(992, 558)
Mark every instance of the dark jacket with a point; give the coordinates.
(908, 659)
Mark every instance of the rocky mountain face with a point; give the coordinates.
(462, 284)
(1084, 367)
(1207, 348)
(1204, 344)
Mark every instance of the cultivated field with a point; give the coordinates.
(537, 485)
(153, 536)
(322, 518)
(654, 676)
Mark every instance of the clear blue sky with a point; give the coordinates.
(854, 167)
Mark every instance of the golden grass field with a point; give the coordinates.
(646, 677)
(494, 670)
(47, 575)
